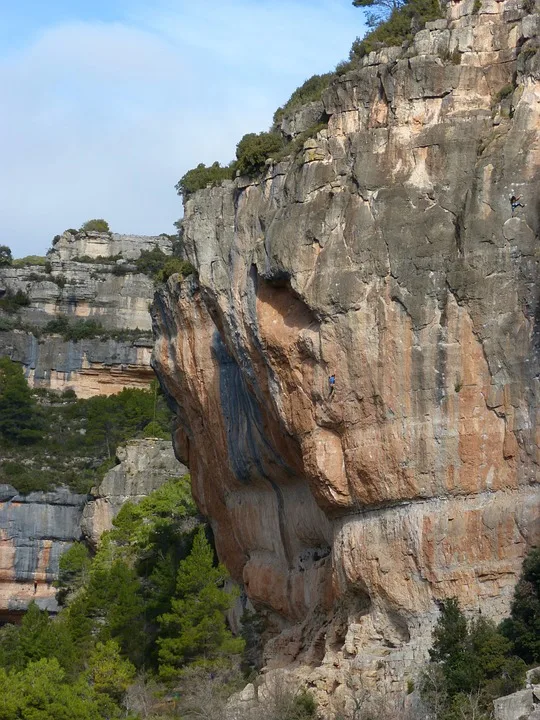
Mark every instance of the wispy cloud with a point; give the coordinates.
(102, 118)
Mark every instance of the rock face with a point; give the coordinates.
(144, 466)
(386, 253)
(35, 530)
(80, 284)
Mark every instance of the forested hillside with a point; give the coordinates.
(49, 439)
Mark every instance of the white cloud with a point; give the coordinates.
(101, 119)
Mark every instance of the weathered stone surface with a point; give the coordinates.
(113, 294)
(518, 706)
(387, 254)
(69, 246)
(34, 531)
(37, 528)
(303, 119)
(144, 466)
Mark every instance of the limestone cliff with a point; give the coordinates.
(386, 252)
(88, 276)
(36, 529)
(144, 466)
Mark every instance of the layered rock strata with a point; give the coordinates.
(36, 529)
(89, 276)
(386, 252)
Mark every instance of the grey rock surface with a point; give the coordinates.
(112, 293)
(35, 530)
(144, 465)
(385, 251)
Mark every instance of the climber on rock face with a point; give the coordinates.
(514, 203)
(35, 587)
(331, 384)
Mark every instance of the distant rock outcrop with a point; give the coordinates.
(144, 466)
(88, 276)
(36, 529)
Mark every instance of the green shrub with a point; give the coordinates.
(504, 92)
(174, 266)
(150, 262)
(96, 225)
(29, 260)
(398, 28)
(12, 302)
(477, 6)
(253, 151)
(202, 177)
(468, 659)
(76, 330)
(311, 90)
(7, 323)
(523, 626)
(72, 231)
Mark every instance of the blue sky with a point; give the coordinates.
(107, 103)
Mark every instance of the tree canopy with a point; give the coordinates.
(6, 257)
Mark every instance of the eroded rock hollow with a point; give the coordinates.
(386, 252)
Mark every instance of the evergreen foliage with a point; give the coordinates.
(195, 629)
(522, 628)
(404, 20)
(471, 663)
(19, 419)
(6, 257)
(201, 177)
(253, 151)
(47, 439)
(11, 302)
(95, 225)
(311, 90)
(160, 266)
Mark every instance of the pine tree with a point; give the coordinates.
(196, 630)
(523, 626)
(19, 417)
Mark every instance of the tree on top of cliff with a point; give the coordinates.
(96, 225)
(5, 256)
(381, 9)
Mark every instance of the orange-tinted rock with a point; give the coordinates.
(386, 254)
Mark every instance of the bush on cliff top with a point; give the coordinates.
(310, 91)
(404, 21)
(96, 225)
(253, 151)
(202, 177)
